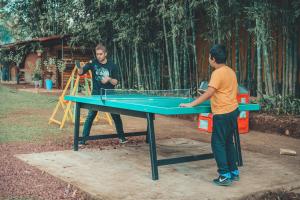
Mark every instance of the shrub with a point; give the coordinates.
(280, 105)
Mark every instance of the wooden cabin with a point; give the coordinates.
(52, 47)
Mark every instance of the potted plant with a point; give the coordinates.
(38, 49)
(37, 80)
(61, 65)
(37, 75)
(49, 63)
(39, 52)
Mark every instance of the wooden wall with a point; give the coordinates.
(67, 54)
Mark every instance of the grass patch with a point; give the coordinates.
(13, 100)
(24, 117)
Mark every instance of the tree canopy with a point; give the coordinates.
(158, 44)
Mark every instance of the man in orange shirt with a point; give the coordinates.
(222, 90)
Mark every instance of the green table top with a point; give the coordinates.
(152, 104)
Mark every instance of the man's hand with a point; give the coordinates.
(105, 80)
(209, 92)
(185, 105)
(77, 64)
(79, 68)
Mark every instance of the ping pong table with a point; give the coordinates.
(147, 107)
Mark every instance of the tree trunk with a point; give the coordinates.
(287, 67)
(126, 66)
(168, 55)
(175, 56)
(145, 75)
(117, 61)
(268, 80)
(295, 65)
(154, 78)
(217, 18)
(283, 85)
(249, 71)
(290, 73)
(276, 90)
(185, 59)
(195, 60)
(137, 66)
(259, 68)
(237, 61)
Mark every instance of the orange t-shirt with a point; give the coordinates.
(225, 82)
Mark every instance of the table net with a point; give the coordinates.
(141, 94)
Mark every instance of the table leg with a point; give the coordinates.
(147, 135)
(152, 146)
(76, 126)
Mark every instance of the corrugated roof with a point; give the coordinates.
(41, 39)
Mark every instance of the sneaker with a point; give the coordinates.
(123, 141)
(222, 181)
(235, 177)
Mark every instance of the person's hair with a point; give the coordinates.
(218, 52)
(100, 46)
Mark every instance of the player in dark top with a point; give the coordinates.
(105, 76)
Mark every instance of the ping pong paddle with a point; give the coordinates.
(77, 64)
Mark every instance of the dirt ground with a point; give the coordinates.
(282, 125)
(18, 179)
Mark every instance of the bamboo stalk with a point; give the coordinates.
(268, 80)
(295, 65)
(290, 74)
(177, 81)
(283, 67)
(167, 49)
(259, 69)
(195, 61)
(236, 41)
(137, 66)
(249, 71)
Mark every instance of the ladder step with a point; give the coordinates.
(55, 121)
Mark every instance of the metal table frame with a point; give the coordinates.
(150, 137)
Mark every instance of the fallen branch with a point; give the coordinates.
(287, 152)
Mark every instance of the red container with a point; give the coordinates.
(243, 119)
(205, 122)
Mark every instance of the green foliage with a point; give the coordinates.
(37, 72)
(15, 55)
(280, 105)
(154, 42)
(61, 65)
(259, 14)
(5, 36)
(50, 62)
(27, 18)
(296, 6)
(4, 55)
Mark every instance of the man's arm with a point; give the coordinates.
(109, 79)
(114, 81)
(114, 76)
(82, 70)
(207, 95)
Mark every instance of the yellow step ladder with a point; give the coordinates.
(66, 106)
